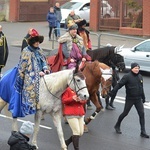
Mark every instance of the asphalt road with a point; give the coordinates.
(101, 134)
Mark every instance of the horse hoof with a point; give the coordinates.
(112, 106)
(109, 107)
(89, 107)
(102, 109)
(86, 130)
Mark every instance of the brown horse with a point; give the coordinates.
(97, 74)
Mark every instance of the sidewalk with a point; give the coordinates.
(16, 31)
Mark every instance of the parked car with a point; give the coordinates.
(139, 53)
(82, 8)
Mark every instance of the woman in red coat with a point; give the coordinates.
(73, 110)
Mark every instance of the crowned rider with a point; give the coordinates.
(71, 49)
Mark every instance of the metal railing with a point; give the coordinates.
(101, 39)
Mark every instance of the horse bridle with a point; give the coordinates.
(74, 81)
(76, 84)
(105, 87)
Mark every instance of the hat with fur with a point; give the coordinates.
(35, 37)
(134, 64)
(27, 128)
(72, 25)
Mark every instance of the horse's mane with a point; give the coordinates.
(101, 54)
(92, 68)
(57, 81)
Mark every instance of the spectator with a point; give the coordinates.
(3, 50)
(72, 16)
(19, 140)
(133, 83)
(73, 110)
(52, 20)
(25, 40)
(57, 11)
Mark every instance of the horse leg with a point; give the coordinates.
(2, 104)
(99, 99)
(57, 122)
(37, 120)
(114, 83)
(95, 101)
(108, 107)
(14, 124)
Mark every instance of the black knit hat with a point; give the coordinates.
(134, 64)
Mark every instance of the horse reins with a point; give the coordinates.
(75, 83)
(48, 89)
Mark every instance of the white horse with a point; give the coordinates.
(51, 88)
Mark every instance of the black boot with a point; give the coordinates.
(117, 128)
(144, 135)
(108, 107)
(68, 141)
(75, 140)
(112, 105)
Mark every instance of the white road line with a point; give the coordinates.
(122, 100)
(42, 126)
(118, 99)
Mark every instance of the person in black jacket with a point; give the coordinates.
(57, 11)
(25, 39)
(3, 50)
(19, 140)
(133, 83)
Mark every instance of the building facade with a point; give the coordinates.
(123, 20)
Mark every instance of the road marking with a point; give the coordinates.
(118, 99)
(42, 126)
(122, 100)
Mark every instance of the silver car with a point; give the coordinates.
(82, 9)
(139, 53)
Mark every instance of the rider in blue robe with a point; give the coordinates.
(20, 86)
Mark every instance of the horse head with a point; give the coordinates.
(106, 81)
(78, 84)
(116, 60)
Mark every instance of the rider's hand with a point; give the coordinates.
(72, 60)
(76, 98)
(46, 71)
(83, 59)
(41, 73)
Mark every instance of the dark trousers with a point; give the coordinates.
(140, 110)
(50, 32)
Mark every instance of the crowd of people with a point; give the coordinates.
(32, 65)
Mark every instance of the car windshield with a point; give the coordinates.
(71, 5)
(145, 47)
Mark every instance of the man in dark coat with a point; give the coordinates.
(133, 83)
(25, 39)
(3, 50)
(57, 11)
